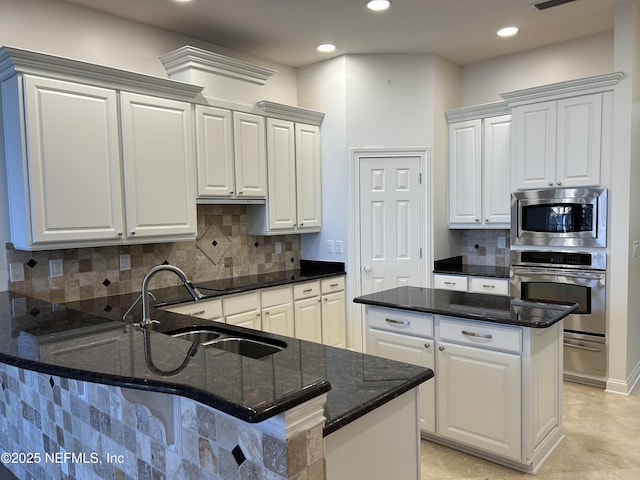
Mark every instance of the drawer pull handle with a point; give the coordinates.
(477, 335)
(449, 283)
(404, 323)
(581, 347)
(307, 290)
(199, 312)
(333, 285)
(488, 286)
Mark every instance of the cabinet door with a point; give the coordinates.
(157, 139)
(250, 155)
(465, 172)
(334, 320)
(496, 185)
(479, 398)
(281, 163)
(578, 141)
(214, 152)
(279, 319)
(252, 319)
(534, 145)
(73, 162)
(309, 176)
(413, 350)
(308, 319)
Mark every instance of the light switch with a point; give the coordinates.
(339, 247)
(16, 272)
(330, 246)
(125, 262)
(278, 247)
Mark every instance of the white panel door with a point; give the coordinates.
(334, 321)
(391, 222)
(214, 152)
(279, 319)
(157, 137)
(73, 149)
(308, 319)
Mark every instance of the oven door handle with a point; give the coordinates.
(581, 347)
(589, 274)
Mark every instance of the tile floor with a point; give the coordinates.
(602, 441)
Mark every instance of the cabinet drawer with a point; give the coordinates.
(329, 285)
(401, 321)
(209, 309)
(306, 290)
(450, 282)
(481, 334)
(493, 286)
(241, 303)
(276, 296)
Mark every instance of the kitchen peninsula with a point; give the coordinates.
(498, 361)
(76, 378)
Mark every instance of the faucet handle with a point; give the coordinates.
(124, 317)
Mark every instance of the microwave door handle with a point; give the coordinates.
(566, 273)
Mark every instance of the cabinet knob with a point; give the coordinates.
(559, 183)
(302, 224)
(551, 184)
(427, 346)
(231, 192)
(477, 219)
(120, 234)
(133, 233)
(267, 312)
(441, 348)
(240, 192)
(486, 219)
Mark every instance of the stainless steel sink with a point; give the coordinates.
(246, 347)
(230, 341)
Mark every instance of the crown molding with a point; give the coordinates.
(289, 112)
(18, 61)
(188, 57)
(554, 91)
(477, 111)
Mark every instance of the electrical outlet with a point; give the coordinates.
(330, 247)
(55, 267)
(339, 247)
(125, 262)
(278, 247)
(502, 241)
(16, 272)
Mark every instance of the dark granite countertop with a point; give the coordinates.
(250, 389)
(475, 306)
(456, 266)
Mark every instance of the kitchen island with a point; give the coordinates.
(498, 364)
(77, 380)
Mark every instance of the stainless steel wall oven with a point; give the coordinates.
(569, 277)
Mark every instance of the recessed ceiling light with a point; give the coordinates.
(326, 47)
(378, 5)
(507, 31)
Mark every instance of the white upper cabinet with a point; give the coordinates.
(157, 137)
(294, 204)
(73, 162)
(479, 166)
(557, 143)
(85, 169)
(250, 155)
(214, 152)
(562, 133)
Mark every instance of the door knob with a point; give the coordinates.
(368, 268)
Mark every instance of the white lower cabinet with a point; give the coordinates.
(473, 284)
(497, 390)
(479, 398)
(277, 311)
(207, 309)
(243, 310)
(308, 311)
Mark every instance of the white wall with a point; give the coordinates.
(484, 81)
(624, 301)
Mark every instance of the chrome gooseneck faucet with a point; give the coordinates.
(147, 321)
(193, 291)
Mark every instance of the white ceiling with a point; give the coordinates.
(287, 31)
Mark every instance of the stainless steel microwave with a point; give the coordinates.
(559, 217)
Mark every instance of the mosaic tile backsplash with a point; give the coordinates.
(223, 249)
(59, 428)
(480, 247)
